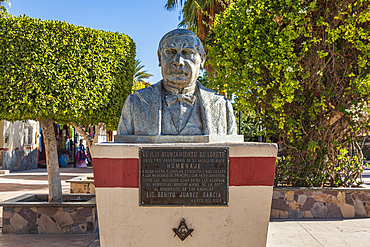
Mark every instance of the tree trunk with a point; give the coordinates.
(86, 136)
(97, 133)
(83, 133)
(52, 164)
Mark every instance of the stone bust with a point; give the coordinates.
(178, 104)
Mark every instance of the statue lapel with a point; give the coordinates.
(211, 109)
(205, 106)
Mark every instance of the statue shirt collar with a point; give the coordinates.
(174, 90)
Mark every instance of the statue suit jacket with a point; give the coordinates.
(142, 112)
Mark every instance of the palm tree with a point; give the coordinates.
(3, 10)
(139, 76)
(4, 1)
(198, 15)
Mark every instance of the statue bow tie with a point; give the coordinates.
(189, 99)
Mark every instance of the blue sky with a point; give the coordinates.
(145, 21)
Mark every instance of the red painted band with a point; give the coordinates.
(243, 171)
(252, 171)
(116, 172)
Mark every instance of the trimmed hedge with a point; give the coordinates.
(52, 69)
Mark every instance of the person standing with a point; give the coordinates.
(81, 156)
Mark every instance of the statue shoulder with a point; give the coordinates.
(150, 91)
(204, 89)
(211, 93)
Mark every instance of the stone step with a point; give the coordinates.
(4, 172)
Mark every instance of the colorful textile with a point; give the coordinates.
(81, 156)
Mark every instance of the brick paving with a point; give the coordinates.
(282, 232)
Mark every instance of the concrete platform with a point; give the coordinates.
(4, 172)
(179, 139)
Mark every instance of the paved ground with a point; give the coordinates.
(59, 240)
(312, 233)
(36, 181)
(349, 233)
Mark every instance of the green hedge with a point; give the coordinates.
(52, 69)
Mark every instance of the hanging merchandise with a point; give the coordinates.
(67, 131)
(67, 144)
(56, 130)
(72, 131)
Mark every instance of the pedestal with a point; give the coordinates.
(243, 222)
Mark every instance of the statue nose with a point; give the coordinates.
(179, 60)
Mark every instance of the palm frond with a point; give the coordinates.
(139, 73)
(5, 1)
(172, 4)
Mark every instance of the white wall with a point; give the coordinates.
(15, 154)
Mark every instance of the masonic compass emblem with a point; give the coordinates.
(183, 231)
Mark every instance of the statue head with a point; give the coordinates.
(181, 56)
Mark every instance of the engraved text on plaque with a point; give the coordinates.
(184, 176)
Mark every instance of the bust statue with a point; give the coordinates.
(178, 104)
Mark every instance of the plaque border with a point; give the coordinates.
(186, 205)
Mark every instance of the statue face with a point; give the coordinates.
(180, 61)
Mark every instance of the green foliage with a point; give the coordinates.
(3, 11)
(52, 69)
(204, 80)
(303, 67)
(249, 126)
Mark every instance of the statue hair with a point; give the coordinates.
(180, 32)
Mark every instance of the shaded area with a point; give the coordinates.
(37, 240)
(33, 177)
(78, 170)
(22, 187)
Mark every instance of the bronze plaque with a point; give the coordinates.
(184, 176)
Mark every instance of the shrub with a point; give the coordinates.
(55, 71)
(303, 68)
(52, 69)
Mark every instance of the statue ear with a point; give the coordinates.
(159, 58)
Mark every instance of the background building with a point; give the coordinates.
(19, 144)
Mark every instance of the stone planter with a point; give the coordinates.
(296, 203)
(82, 185)
(25, 215)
